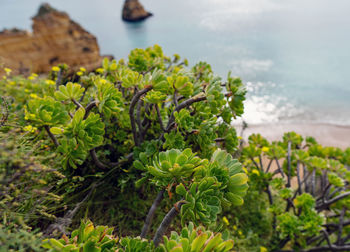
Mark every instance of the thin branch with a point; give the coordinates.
(298, 177)
(77, 103)
(279, 167)
(313, 182)
(289, 163)
(182, 105)
(330, 202)
(59, 79)
(163, 227)
(340, 230)
(52, 136)
(255, 163)
(134, 100)
(151, 213)
(97, 162)
(89, 107)
(269, 166)
(159, 118)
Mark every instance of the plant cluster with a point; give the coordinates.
(307, 189)
(150, 132)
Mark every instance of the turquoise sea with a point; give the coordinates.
(294, 55)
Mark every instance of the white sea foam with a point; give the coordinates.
(260, 107)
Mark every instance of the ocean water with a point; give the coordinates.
(293, 55)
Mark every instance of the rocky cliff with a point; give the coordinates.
(133, 11)
(55, 39)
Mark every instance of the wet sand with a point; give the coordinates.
(325, 134)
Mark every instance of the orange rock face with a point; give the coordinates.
(134, 11)
(55, 39)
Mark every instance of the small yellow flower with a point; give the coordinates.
(240, 138)
(103, 81)
(8, 71)
(33, 96)
(31, 78)
(26, 90)
(4, 77)
(234, 227)
(225, 220)
(263, 249)
(265, 149)
(79, 73)
(34, 75)
(30, 128)
(245, 170)
(82, 69)
(12, 83)
(100, 70)
(240, 232)
(55, 69)
(50, 82)
(255, 171)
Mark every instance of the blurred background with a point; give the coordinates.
(293, 55)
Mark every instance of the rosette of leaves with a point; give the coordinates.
(109, 99)
(88, 132)
(129, 78)
(87, 238)
(71, 91)
(258, 140)
(202, 201)
(181, 84)
(292, 137)
(46, 111)
(195, 240)
(157, 80)
(237, 95)
(155, 97)
(71, 153)
(173, 165)
(232, 179)
(141, 60)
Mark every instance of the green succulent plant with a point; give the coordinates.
(232, 179)
(174, 165)
(69, 92)
(85, 239)
(46, 111)
(202, 201)
(109, 99)
(193, 239)
(88, 132)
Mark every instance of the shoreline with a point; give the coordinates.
(324, 133)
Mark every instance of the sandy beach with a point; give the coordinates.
(325, 134)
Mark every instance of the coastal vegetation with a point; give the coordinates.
(141, 155)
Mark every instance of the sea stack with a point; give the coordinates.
(55, 39)
(133, 11)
